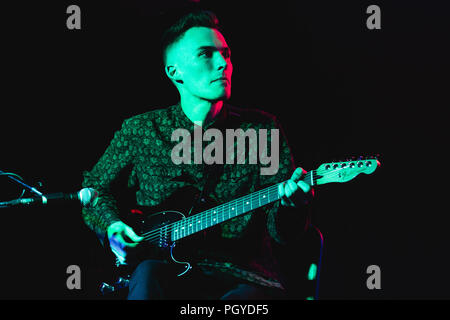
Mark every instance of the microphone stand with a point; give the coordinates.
(32, 189)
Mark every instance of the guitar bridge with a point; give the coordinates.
(163, 237)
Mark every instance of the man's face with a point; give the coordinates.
(203, 63)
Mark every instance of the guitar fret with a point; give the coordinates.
(224, 212)
(326, 173)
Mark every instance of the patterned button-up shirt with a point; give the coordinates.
(143, 148)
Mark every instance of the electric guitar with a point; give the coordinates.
(164, 229)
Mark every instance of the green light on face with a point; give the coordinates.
(312, 271)
(309, 298)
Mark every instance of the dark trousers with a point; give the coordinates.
(153, 280)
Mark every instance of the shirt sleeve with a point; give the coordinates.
(118, 155)
(282, 220)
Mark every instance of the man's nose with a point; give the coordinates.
(221, 61)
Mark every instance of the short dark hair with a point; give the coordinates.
(198, 18)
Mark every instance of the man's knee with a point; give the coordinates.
(149, 267)
(146, 280)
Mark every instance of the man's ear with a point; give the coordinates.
(173, 73)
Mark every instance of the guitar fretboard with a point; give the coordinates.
(209, 218)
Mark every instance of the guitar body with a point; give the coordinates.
(156, 230)
(155, 222)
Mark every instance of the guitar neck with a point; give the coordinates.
(229, 210)
(325, 173)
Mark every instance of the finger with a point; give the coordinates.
(298, 173)
(132, 235)
(287, 202)
(281, 188)
(122, 243)
(304, 186)
(282, 193)
(291, 188)
(118, 248)
(120, 255)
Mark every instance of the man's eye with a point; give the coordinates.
(206, 53)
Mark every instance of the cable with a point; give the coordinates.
(8, 174)
(319, 262)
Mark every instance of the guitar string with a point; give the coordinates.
(207, 217)
(190, 229)
(220, 207)
(155, 234)
(204, 216)
(219, 210)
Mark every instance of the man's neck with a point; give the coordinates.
(201, 112)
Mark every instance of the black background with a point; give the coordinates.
(338, 88)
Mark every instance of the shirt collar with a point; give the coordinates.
(182, 121)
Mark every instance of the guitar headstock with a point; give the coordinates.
(344, 171)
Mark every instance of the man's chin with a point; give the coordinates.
(222, 97)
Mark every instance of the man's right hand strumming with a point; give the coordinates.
(122, 240)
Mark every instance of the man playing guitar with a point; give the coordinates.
(236, 260)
